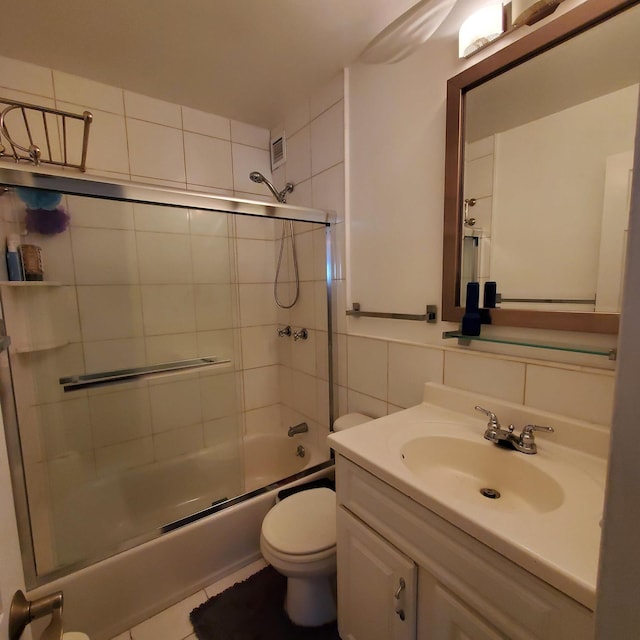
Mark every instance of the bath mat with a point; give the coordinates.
(253, 610)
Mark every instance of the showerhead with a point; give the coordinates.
(280, 196)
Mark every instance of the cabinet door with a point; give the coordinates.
(376, 585)
(443, 616)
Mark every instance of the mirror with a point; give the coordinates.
(538, 171)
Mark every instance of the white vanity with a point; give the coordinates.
(422, 553)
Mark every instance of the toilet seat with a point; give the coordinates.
(304, 524)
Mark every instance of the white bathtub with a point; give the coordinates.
(120, 591)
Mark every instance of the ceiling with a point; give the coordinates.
(244, 59)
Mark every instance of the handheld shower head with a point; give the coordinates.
(280, 196)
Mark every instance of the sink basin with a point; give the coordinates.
(457, 469)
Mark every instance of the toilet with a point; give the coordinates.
(298, 538)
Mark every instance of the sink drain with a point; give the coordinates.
(494, 494)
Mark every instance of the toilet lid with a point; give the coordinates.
(303, 523)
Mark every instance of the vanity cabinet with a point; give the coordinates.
(455, 586)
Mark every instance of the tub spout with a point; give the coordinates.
(303, 427)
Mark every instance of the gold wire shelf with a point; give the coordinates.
(43, 135)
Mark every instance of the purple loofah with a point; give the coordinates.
(47, 222)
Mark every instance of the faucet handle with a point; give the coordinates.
(526, 442)
(493, 418)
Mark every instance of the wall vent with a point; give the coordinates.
(278, 151)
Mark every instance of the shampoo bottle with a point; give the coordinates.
(14, 263)
(471, 319)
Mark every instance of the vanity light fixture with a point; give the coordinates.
(480, 28)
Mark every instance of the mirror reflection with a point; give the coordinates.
(547, 172)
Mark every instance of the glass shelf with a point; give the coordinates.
(610, 352)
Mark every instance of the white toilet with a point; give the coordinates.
(298, 539)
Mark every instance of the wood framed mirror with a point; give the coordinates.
(538, 138)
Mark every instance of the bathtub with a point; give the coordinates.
(120, 591)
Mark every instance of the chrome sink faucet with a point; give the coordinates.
(525, 442)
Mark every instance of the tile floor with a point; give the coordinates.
(173, 623)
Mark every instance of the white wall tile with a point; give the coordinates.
(110, 312)
(245, 160)
(579, 394)
(360, 403)
(222, 431)
(64, 427)
(367, 366)
(409, 368)
(23, 76)
(303, 354)
(212, 223)
(327, 189)
(261, 387)
(208, 124)
(256, 261)
(57, 257)
(326, 96)
(249, 134)
(303, 313)
(94, 95)
(259, 346)
(327, 139)
(264, 420)
(170, 347)
(164, 258)
(176, 442)
(168, 309)
(304, 394)
(219, 343)
(255, 228)
(298, 165)
(301, 196)
(175, 404)
(153, 110)
(111, 355)
(257, 306)
(208, 161)
(104, 256)
(120, 416)
(219, 396)
(210, 257)
(156, 151)
(479, 178)
(488, 376)
(296, 118)
(213, 307)
(149, 217)
(105, 214)
(126, 455)
(107, 150)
